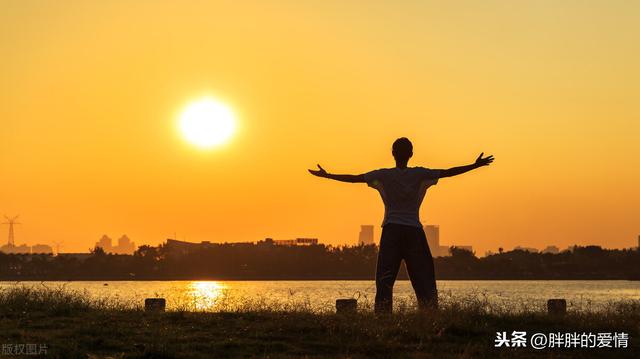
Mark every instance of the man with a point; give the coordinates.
(402, 190)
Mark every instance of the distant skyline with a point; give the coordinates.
(366, 236)
(91, 94)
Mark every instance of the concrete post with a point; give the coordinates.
(344, 306)
(556, 306)
(155, 304)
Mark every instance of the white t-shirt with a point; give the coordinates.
(402, 191)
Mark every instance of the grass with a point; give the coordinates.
(73, 325)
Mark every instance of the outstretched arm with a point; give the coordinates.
(342, 178)
(454, 171)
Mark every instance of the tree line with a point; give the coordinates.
(268, 261)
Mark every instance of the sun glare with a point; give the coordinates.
(206, 294)
(207, 123)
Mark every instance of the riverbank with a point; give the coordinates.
(264, 260)
(71, 325)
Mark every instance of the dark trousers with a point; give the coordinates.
(400, 242)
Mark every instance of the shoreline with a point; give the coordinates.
(266, 279)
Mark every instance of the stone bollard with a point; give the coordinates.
(557, 307)
(155, 304)
(344, 306)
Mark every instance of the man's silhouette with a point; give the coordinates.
(402, 190)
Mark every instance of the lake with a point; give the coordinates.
(321, 295)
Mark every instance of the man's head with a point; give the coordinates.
(402, 150)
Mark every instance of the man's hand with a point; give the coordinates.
(320, 173)
(454, 171)
(342, 178)
(482, 161)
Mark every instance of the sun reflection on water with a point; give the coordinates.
(206, 294)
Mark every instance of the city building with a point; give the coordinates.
(433, 239)
(306, 241)
(41, 249)
(105, 243)
(366, 235)
(25, 249)
(125, 245)
(183, 247)
(13, 249)
(296, 242)
(176, 247)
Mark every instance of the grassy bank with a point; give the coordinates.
(72, 325)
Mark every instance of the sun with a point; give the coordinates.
(207, 123)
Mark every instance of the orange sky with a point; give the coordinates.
(90, 93)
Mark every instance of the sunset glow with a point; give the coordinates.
(207, 123)
(298, 178)
(206, 127)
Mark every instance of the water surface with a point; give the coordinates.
(321, 295)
